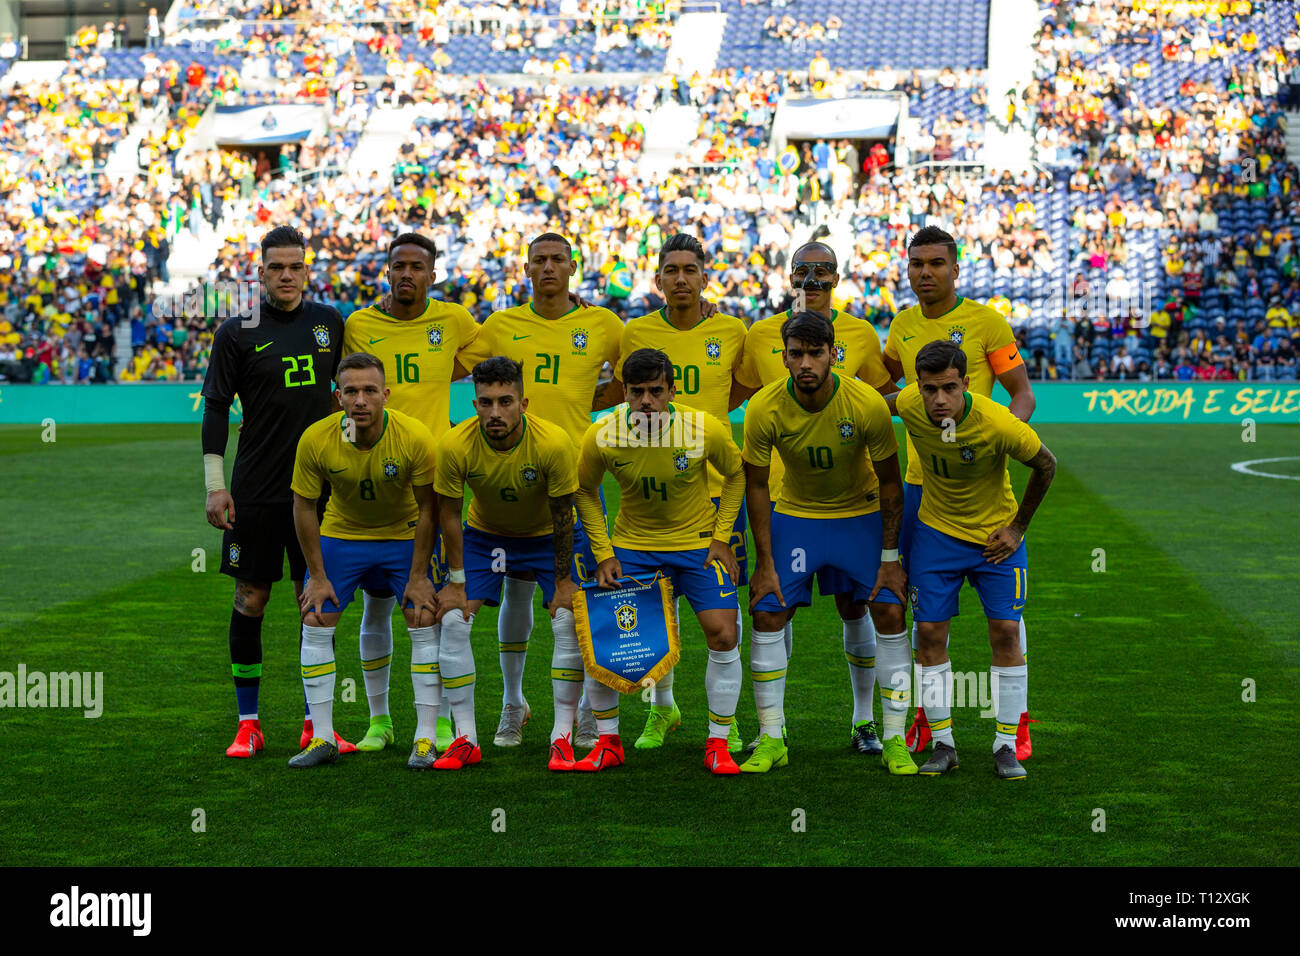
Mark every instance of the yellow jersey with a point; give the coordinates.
(562, 358)
(856, 351)
(828, 453)
(370, 491)
(665, 503)
(418, 355)
(967, 487)
(705, 358)
(511, 488)
(983, 335)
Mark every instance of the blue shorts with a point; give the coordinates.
(939, 565)
(378, 566)
(490, 557)
(829, 580)
(738, 546)
(584, 561)
(437, 568)
(911, 505)
(705, 588)
(803, 546)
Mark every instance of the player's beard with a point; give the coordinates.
(811, 389)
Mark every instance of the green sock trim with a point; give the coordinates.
(382, 720)
(246, 670)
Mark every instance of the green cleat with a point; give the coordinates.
(444, 735)
(734, 744)
(316, 753)
(896, 759)
(658, 723)
(768, 754)
(379, 735)
(753, 744)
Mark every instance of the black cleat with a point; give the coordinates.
(1005, 764)
(865, 740)
(942, 759)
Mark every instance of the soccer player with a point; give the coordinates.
(840, 506)
(523, 472)
(378, 532)
(991, 352)
(705, 353)
(280, 365)
(658, 452)
(814, 275)
(420, 340)
(563, 347)
(969, 528)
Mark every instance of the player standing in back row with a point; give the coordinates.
(562, 347)
(991, 352)
(281, 366)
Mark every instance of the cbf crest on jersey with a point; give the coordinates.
(847, 431)
(967, 453)
(390, 469)
(681, 459)
(435, 335)
(580, 340)
(529, 474)
(956, 334)
(322, 336)
(713, 349)
(627, 635)
(838, 351)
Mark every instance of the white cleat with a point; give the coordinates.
(510, 732)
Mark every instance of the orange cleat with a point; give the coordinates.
(343, 745)
(717, 758)
(459, 755)
(1024, 747)
(607, 753)
(918, 735)
(248, 739)
(561, 754)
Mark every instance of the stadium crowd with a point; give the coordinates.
(1147, 248)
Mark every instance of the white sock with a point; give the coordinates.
(566, 673)
(456, 671)
(894, 662)
(1010, 690)
(789, 639)
(514, 624)
(722, 687)
(318, 674)
(425, 680)
(1024, 650)
(767, 665)
(662, 693)
(740, 627)
(377, 649)
(860, 650)
(936, 698)
(604, 705)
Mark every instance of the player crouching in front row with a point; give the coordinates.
(969, 527)
(378, 533)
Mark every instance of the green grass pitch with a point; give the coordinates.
(1136, 675)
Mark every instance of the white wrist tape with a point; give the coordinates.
(888, 555)
(214, 472)
(456, 575)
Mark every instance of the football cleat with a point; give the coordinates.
(918, 735)
(561, 754)
(307, 735)
(768, 754)
(943, 759)
(510, 732)
(734, 744)
(422, 755)
(248, 739)
(717, 757)
(895, 758)
(443, 738)
(865, 738)
(378, 736)
(1024, 746)
(587, 733)
(460, 754)
(658, 723)
(753, 744)
(1006, 766)
(316, 753)
(607, 753)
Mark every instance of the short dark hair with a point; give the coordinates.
(282, 237)
(939, 356)
(550, 237)
(934, 236)
(499, 370)
(414, 239)
(809, 328)
(683, 242)
(835, 260)
(646, 365)
(359, 360)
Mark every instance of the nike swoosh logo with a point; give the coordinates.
(475, 474)
(376, 341)
(1017, 607)
(620, 464)
(726, 593)
(784, 435)
(518, 337)
(335, 471)
(906, 337)
(259, 348)
(774, 351)
(600, 759)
